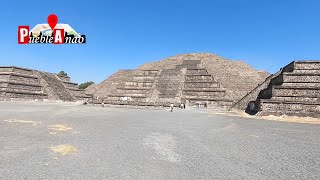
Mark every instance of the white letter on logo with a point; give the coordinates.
(23, 34)
(57, 37)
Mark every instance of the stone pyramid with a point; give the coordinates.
(188, 78)
(24, 84)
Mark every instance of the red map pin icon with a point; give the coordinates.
(52, 20)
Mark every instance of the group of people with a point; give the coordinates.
(205, 105)
(181, 106)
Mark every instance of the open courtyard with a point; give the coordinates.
(40, 140)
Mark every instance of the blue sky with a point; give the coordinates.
(123, 34)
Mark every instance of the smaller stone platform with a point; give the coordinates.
(22, 84)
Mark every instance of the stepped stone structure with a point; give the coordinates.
(22, 84)
(188, 78)
(294, 90)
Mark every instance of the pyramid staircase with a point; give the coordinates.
(168, 85)
(200, 87)
(187, 82)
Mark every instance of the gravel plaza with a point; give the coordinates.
(41, 140)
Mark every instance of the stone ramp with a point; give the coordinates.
(55, 88)
(168, 85)
(73, 88)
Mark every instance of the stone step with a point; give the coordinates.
(290, 108)
(300, 77)
(223, 104)
(296, 87)
(128, 95)
(24, 96)
(142, 81)
(218, 89)
(301, 84)
(307, 64)
(138, 84)
(144, 78)
(126, 98)
(200, 81)
(6, 69)
(296, 99)
(22, 91)
(203, 89)
(205, 94)
(196, 71)
(192, 75)
(149, 72)
(169, 72)
(135, 88)
(297, 91)
(19, 83)
(199, 78)
(24, 87)
(133, 91)
(192, 85)
(307, 71)
(19, 75)
(206, 99)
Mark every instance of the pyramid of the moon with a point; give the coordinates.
(294, 90)
(23, 84)
(186, 78)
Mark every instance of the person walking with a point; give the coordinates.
(171, 107)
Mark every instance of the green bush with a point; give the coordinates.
(85, 85)
(62, 73)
